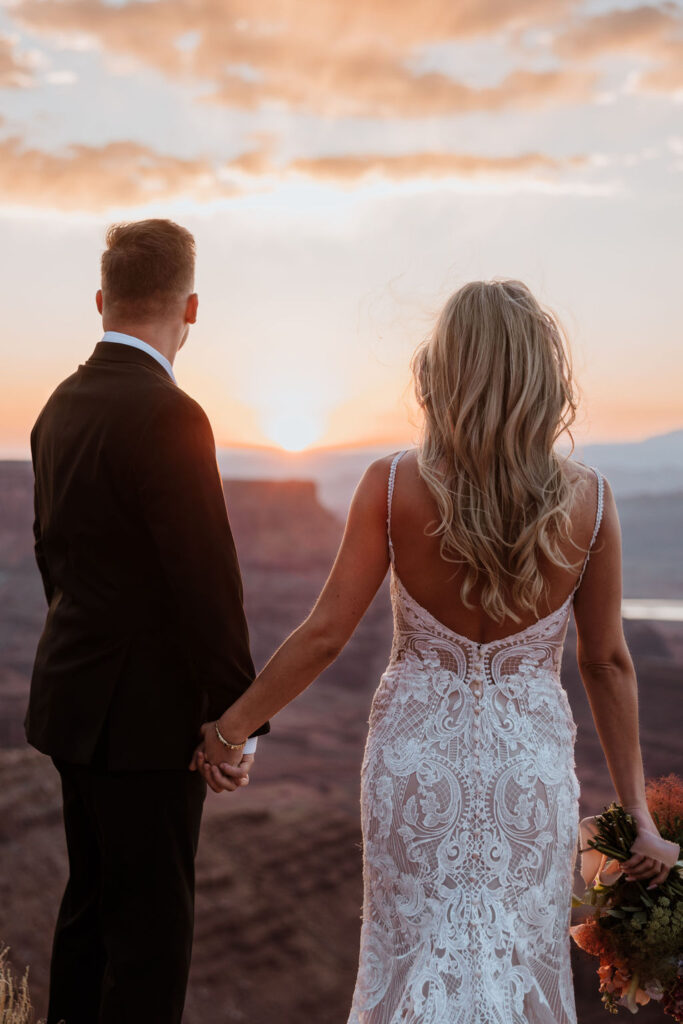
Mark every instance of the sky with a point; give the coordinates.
(345, 165)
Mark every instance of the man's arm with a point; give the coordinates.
(39, 552)
(182, 503)
(40, 559)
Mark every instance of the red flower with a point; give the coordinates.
(665, 799)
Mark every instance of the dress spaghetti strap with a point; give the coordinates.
(598, 520)
(390, 496)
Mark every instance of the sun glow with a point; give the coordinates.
(293, 429)
(293, 401)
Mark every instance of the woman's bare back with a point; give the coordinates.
(435, 583)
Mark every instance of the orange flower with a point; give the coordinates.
(605, 972)
(590, 937)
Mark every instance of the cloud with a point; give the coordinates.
(637, 29)
(654, 32)
(369, 85)
(668, 77)
(339, 22)
(428, 165)
(64, 77)
(332, 57)
(15, 69)
(125, 174)
(95, 178)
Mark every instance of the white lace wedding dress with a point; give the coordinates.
(470, 816)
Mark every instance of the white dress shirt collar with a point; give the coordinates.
(127, 339)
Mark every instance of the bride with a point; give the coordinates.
(469, 796)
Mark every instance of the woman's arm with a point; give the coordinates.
(359, 568)
(610, 680)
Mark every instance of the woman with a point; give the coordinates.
(469, 794)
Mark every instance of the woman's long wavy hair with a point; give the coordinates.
(494, 381)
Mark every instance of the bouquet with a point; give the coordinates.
(636, 933)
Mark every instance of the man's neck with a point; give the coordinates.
(162, 340)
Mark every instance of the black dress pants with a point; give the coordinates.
(123, 939)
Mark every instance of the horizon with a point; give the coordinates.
(224, 448)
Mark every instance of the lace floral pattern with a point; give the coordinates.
(470, 820)
(469, 806)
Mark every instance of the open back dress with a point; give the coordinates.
(470, 815)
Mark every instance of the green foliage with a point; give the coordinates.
(650, 942)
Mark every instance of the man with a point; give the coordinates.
(145, 637)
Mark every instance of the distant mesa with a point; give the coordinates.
(281, 523)
(296, 524)
(278, 524)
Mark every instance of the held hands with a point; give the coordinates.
(223, 770)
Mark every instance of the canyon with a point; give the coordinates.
(279, 867)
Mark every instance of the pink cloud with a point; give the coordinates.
(429, 165)
(126, 174)
(16, 70)
(333, 57)
(95, 178)
(654, 32)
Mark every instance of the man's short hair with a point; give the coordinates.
(147, 266)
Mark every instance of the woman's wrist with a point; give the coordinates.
(636, 804)
(231, 730)
(228, 744)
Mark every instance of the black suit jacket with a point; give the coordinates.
(145, 636)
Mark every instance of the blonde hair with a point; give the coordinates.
(494, 381)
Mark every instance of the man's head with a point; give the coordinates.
(148, 279)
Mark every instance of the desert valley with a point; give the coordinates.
(279, 870)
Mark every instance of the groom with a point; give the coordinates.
(145, 637)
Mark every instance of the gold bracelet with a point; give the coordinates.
(230, 746)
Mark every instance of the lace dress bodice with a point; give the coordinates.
(469, 805)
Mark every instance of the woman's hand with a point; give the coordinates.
(638, 867)
(224, 770)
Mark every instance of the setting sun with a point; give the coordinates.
(293, 430)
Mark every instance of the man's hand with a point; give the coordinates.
(226, 777)
(223, 770)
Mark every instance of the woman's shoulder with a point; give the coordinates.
(577, 471)
(585, 477)
(373, 486)
(593, 498)
(379, 471)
